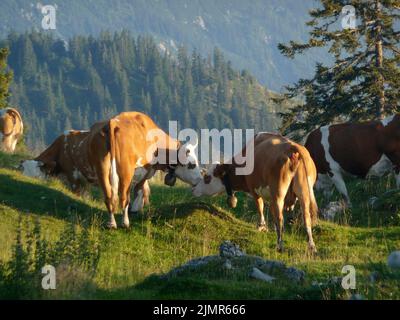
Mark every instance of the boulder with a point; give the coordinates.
(394, 260)
(228, 250)
(258, 274)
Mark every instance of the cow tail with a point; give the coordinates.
(295, 156)
(114, 178)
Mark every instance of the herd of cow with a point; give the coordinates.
(118, 155)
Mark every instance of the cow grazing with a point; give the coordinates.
(11, 128)
(282, 170)
(68, 156)
(113, 154)
(360, 149)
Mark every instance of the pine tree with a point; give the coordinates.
(364, 81)
(5, 77)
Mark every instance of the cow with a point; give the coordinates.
(138, 145)
(67, 157)
(281, 167)
(359, 149)
(113, 154)
(11, 128)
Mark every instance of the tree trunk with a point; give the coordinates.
(380, 100)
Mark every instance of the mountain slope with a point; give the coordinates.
(173, 230)
(246, 31)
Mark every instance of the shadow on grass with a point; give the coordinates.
(28, 197)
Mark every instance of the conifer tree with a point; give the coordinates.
(5, 77)
(364, 80)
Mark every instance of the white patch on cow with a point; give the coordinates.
(114, 179)
(214, 187)
(336, 170)
(382, 166)
(387, 120)
(185, 172)
(126, 217)
(311, 187)
(262, 192)
(31, 168)
(139, 162)
(14, 143)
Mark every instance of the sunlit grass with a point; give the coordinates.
(176, 227)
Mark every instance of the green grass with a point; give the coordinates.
(175, 228)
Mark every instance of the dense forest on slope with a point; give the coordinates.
(59, 85)
(247, 32)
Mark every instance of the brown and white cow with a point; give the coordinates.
(113, 153)
(138, 146)
(281, 167)
(11, 128)
(360, 149)
(68, 156)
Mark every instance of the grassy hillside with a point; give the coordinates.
(93, 262)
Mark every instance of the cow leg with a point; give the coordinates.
(338, 181)
(14, 143)
(125, 189)
(276, 207)
(103, 174)
(262, 226)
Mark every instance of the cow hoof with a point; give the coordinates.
(112, 226)
(262, 228)
(279, 248)
(312, 249)
(126, 226)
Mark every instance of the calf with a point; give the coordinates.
(360, 149)
(281, 167)
(11, 128)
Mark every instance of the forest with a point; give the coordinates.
(61, 85)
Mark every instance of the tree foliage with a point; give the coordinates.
(364, 80)
(59, 85)
(5, 78)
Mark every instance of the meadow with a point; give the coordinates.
(43, 222)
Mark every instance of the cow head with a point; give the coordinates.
(212, 181)
(37, 169)
(390, 139)
(187, 169)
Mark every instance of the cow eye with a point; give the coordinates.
(187, 152)
(207, 179)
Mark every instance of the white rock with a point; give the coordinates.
(332, 209)
(258, 274)
(394, 260)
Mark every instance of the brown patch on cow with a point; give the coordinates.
(314, 146)
(355, 146)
